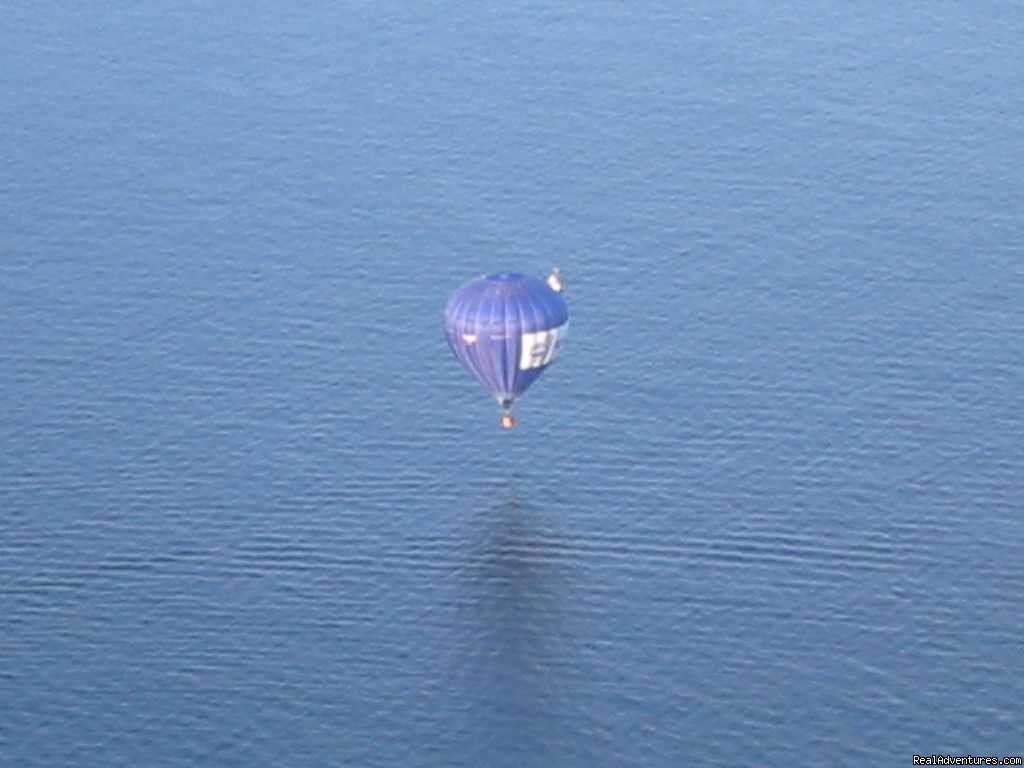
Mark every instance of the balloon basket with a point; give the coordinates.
(507, 421)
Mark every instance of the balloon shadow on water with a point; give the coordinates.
(517, 651)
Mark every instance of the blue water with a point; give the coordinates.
(764, 510)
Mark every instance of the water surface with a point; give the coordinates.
(764, 509)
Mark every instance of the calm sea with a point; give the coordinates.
(766, 508)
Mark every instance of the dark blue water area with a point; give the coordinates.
(764, 509)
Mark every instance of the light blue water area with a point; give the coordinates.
(764, 509)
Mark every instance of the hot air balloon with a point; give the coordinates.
(506, 329)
